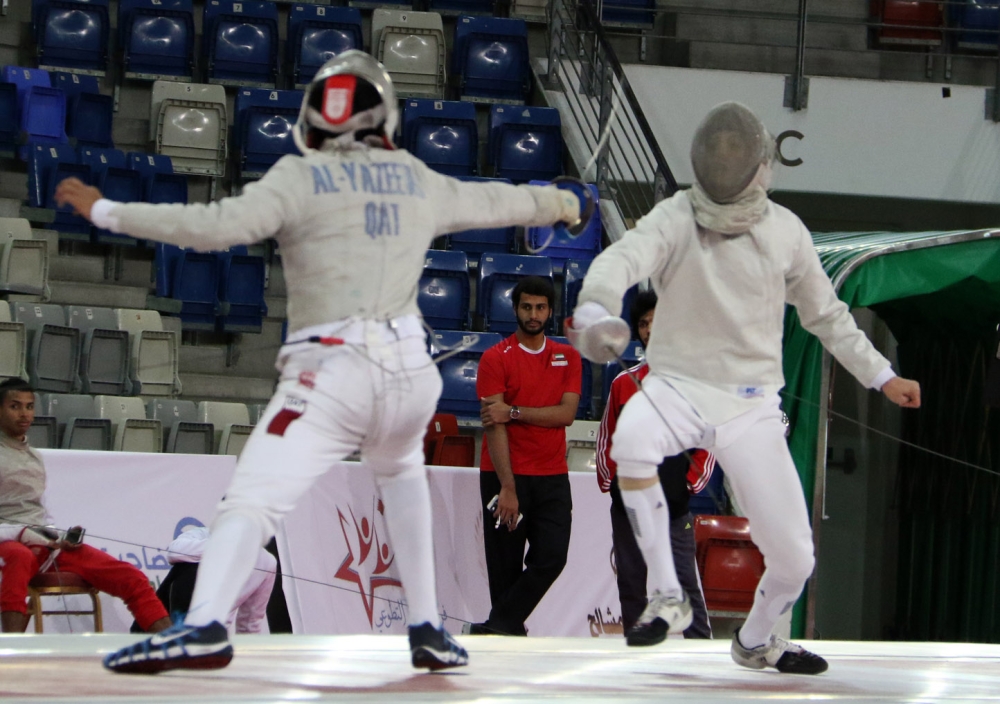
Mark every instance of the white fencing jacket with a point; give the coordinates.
(353, 226)
(717, 333)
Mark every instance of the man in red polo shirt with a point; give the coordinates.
(530, 388)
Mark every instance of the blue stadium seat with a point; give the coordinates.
(240, 42)
(583, 411)
(461, 7)
(241, 286)
(47, 166)
(712, 500)
(526, 143)
(262, 130)
(490, 58)
(498, 240)
(498, 274)
(573, 274)
(157, 38)
(159, 182)
(10, 119)
(316, 34)
(561, 246)
(442, 134)
(631, 356)
(88, 113)
(191, 278)
(108, 168)
(458, 373)
(627, 13)
(72, 34)
(443, 292)
(41, 108)
(977, 22)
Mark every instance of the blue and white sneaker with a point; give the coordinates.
(178, 647)
(435, 649)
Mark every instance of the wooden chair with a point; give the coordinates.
(62, 584)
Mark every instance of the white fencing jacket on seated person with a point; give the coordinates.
(719, 321)
(353, 226)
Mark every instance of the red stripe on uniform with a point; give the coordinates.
(279, 424)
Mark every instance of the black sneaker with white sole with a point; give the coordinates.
(434, 649)
(178, 647)
(779, 654)
(663, 615)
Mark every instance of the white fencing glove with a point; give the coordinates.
(597, 334)
(37, 536)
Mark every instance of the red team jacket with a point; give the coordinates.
(622, 389)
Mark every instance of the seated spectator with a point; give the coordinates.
(28, 545)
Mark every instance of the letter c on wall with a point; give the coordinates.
(777, 145)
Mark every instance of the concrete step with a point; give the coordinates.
(252, 355)
(97, 265)
(771, 32)
(214, 387)
(819, 62)
(845, 9)
(100, 295)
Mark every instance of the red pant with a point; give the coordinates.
(19, 563)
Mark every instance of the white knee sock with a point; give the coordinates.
(230, 556)
(773, 598)
(650, 518)
(408, 518)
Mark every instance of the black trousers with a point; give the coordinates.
(631, 566)
(518, 581)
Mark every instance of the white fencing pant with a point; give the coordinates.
(330, 402)
(753, 452)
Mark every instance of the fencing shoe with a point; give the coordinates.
(662, 615)
(434, 649)
(178, 647)
(779, 654)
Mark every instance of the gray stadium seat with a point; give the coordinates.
(188, 123)
(232, 425)
(183, 432)
(53, 347)
(581, 446)
(104, 353)
(24, 261)
(133, 431)
(13, 346)
(44, 430)
(411, 47)
(79, 425)
(256, 411)
(153, 357)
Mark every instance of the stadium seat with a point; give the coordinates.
(498, 274)
(79, 426)
(368, 4)
(187, 121)
(104, 352)
(231, 422)
(441, 425)
(711, 500)
(240, 43)
(449, 8)
(977, 22)
(193, 279)
(525, 143)
(444, 446)
(316, 34)
(560, 246)
(490, 58)
(730, 564)
(47, 166)
(632, 355)
(159, 182)
(110, 173)
(241, 291)
(583, 411)
(908, 23)
(157, 38)
(88, 113)
(13, 346)
(411, 46)
(443, 292)
(627, 13)
(153, 357)
(53, 347)
(72, 34)
(581, 445)
(458, 372)
(133, 432)
(183, 432)
(573, 274)
(442, 134)
(262, 129)
(10, 119)
(529, 10)
(498, 240)
(41, 108)
(24, 261)
(44, 431)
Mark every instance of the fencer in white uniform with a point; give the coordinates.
(724, 260)
(353, 218)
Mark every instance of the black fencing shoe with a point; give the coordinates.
(434, 649)
(178, 647)
(662, 615)
(779, 654)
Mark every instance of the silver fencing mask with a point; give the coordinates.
(728, 147)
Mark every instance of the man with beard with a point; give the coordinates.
(530, 388)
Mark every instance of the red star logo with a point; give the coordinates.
(366, 538)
